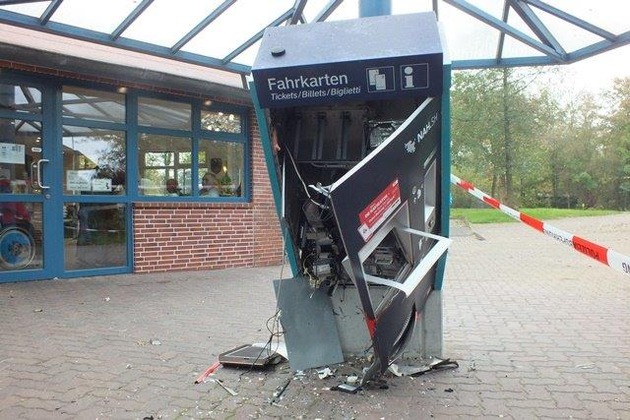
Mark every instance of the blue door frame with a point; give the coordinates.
(52, 199)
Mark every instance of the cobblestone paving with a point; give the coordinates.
(539, 331)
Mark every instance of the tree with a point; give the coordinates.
(617, 147)
(492, 127)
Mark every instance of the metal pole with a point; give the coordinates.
(369, 8)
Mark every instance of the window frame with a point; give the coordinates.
(196, 135)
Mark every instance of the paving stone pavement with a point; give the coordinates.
(539, 331)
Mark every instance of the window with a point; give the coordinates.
(165, 165)
(20, 147)
(221, 121)
(94, 105)
(20, 98)
(96, 235)
(221, 168)
(94, 160)
(179, 158)
(164, 114)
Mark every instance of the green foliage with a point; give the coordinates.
(526, 148)
(490, 215)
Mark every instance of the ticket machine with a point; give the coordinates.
(353, 117)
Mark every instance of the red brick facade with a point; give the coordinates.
(199, 236)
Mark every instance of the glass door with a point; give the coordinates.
(93, 177)
(23, 189)
(64, 210)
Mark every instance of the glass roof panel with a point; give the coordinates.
(611, 15)
(467, 38)
(239, 23)
(94, 15)
(312, 8)
(248, 56)
(165, 22)
(569, 36)
(28, 9)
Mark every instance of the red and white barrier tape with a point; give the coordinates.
(611, 258)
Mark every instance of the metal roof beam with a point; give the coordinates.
(131, 17)
(251, 41)
(572, 19)
(536, 25)
(486, 63)
(202, 25)
(572, 57)
(479, 14)
(600, 47)
(327, 10)
(298, 10)
(506, 13)
(12, 2)
(50, 10)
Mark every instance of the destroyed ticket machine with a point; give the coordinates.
(353, 118)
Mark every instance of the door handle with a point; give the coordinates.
(39, 174)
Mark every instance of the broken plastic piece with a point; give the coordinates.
(347, 388)
(435, 364)
(324, 373)
(213, 368)
(228, 390)
(277, 394)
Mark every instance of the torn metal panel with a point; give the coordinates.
(383, 197)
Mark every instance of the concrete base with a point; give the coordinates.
(427, 340)
(348, 312)
(428, 336)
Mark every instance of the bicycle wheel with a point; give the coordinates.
(17, 248)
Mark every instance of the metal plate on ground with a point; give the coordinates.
(309, 325)
(249, 356)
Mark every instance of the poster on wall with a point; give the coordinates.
(79, 180)
(102, 185)
(12, 153)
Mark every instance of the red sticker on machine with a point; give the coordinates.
(375, 214)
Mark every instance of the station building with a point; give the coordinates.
(113, 161)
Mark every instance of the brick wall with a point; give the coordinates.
(206, 236)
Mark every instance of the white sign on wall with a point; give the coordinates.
(12, 153)
(79, 180)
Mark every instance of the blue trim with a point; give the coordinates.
(196, 134)
(265, 137)
(327, 10)
(246, 188)
(445, 178)
(536, 26)
(53, 175)
(131, 108)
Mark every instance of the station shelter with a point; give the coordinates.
(114, 161)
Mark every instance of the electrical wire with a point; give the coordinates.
(275, 330)
(297, 172)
